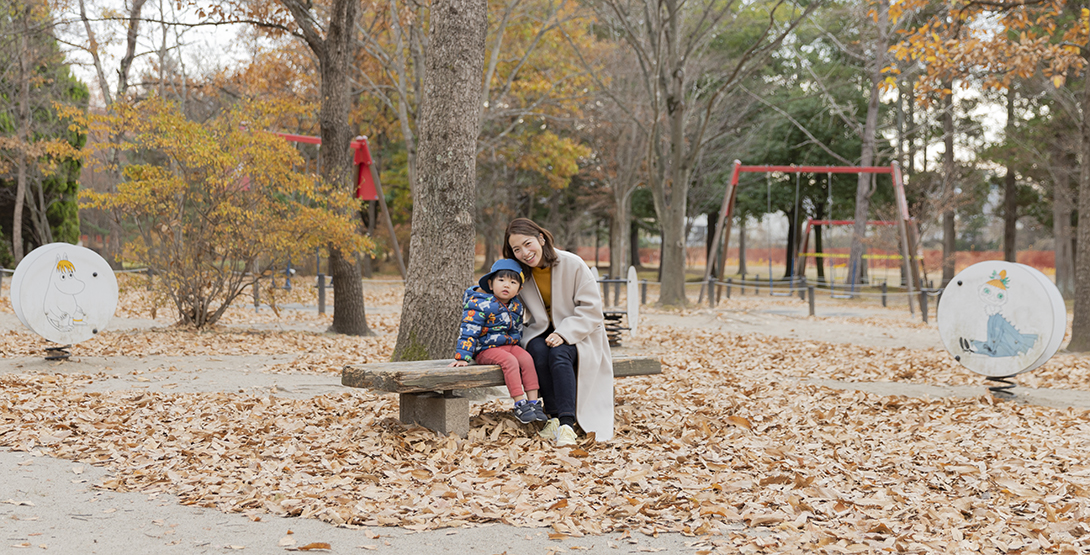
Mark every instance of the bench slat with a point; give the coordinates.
(434, 375)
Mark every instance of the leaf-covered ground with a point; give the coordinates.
(726, 445)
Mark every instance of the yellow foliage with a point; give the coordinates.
(553, 157)
(216, 202)
(1020, 40)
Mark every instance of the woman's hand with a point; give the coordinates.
(554, 340)
(458, 363)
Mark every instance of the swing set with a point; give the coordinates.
(906, 226)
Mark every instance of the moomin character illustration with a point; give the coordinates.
(61, 307)
(1003, 340)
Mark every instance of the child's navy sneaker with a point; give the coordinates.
(539, 411)
(525, 411)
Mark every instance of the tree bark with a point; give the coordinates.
(443, 232)
(629, 153)
(368, 260)
(1010, 193)
(672, 264)
(712, 218)
(949, 232)
(489, 252)
(670, 173)
(1080, 326)
(1062, 204)
(742, 271)
(618, 235)
(819, 245)
(634, 244)
(349, 310)
(792, 242)
(866, 158)
(910, 135)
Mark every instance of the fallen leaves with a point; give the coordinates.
(316, 546)
(727, 437)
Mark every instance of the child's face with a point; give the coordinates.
(504, 287)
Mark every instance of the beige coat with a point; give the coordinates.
(577, 317)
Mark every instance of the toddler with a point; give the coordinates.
(490, 333)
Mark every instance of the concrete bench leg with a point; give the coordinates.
(444, 413)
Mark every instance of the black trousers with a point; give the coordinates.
(555, 374)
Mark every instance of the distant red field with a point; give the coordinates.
(932, 258)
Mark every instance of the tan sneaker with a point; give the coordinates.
(549, 431)
(565, 436)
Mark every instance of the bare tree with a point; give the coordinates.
(23, 128)
(949, 230)
(620, 147)
(333, 42)
(131, 17)
(684, 80)
(865, 183)
(36, 150)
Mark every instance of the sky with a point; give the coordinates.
(199, 49)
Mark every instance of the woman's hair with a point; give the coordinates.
(525, 226)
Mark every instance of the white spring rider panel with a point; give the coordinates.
(64, 293)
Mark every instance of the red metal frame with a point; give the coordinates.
(739, 168)
(365, 182)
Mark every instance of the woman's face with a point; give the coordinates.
(527, 249)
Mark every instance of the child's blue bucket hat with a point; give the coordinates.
(501, 264)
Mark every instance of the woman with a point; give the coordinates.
(564, 334)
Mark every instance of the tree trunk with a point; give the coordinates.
(368, 260)
(668, 158)
(443, 232)
(712, 218)
(1010, 193)
(349, 312)
(742, 271)
(634, 244)
(792, 240)
(863, 183)
(335, 58)
(672, 265)
(618, 236)
(489, 251)
(949, 233)
(819, 247)
(1080, 326)
(662, 245)
(911, 131)
(1061, 232)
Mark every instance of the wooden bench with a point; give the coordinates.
(427, 388)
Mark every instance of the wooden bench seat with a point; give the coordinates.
(427, 387)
